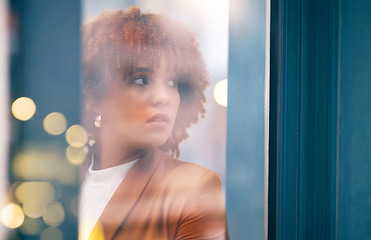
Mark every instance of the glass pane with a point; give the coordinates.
(138, 53)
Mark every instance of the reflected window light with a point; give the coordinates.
(76, 136)
(23, 108)
(221, 93)
(54, 214)
(76, 155)
(55, 123)
(12, 216)
(51, 233)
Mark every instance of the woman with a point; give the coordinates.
(144, 86)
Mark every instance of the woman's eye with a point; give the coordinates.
(140, 81)
(173, 83)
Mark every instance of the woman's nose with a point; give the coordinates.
(160, 95)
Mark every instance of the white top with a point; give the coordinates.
(96, 190)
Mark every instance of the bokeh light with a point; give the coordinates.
(23, 108)
(76, 136)
(221, 92)
(33, 209)
(55, 123)
(75, 155)
(35, 196)
(54, 214)
(12, 216)
(35, 162)
(51, 233)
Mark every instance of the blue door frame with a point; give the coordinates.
(319, 168)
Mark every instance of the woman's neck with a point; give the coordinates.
(111, 156)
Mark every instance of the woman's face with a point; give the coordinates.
(140, 112)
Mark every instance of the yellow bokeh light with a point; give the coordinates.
(44, 161)
(51, 233)
(75, 155)
(35, 196)
(33, 209)
(12, 216)
(76, 136)
(221, 92)
(23, 108)
(55, 123)
(54, 214)
(39, 191)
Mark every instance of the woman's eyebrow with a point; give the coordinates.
(144, 69)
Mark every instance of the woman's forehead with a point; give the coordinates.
(143, 61)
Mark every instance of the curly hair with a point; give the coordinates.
(113, 41)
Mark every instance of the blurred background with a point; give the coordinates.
(42, 141)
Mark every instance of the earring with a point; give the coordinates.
(98, 121)
(117, 59)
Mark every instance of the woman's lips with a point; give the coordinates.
(159, 120)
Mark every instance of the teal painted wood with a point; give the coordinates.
(304, 75)
(317, 148)
(245, 130)
(354, 178)
(285, 86)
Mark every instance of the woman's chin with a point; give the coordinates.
(151, 143)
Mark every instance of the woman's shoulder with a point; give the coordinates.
(177, 165)
(175, 170)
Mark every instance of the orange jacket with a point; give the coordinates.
(164, 198)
